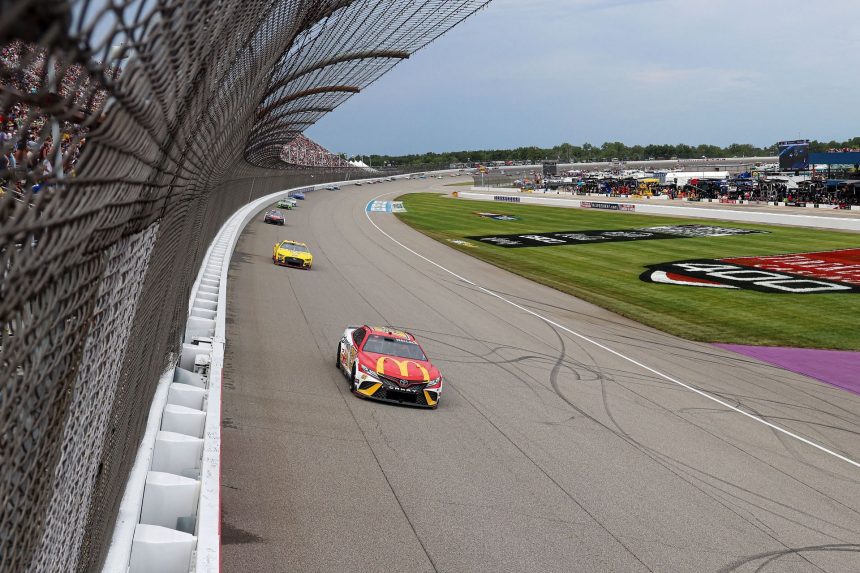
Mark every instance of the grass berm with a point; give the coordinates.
(608, 274)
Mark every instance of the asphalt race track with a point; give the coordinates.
(548, 452)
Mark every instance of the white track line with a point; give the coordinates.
(615, 352)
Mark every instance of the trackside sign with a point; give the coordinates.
(800, 273)
(607, 206)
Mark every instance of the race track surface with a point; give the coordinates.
(548, 451)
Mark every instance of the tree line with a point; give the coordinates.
(567, 153)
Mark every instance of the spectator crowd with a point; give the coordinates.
(302, 152)
(29, 158)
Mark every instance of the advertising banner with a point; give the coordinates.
(828, 272)
(595, 237)
(607, 206)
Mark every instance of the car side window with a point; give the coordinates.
(358, 336)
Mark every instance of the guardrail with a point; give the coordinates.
(169, 517)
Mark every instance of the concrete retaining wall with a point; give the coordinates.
(794, 218)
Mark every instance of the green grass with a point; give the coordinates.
(608, 275)
(461, 184)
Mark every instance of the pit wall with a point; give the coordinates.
(602, 202)
(666, 198)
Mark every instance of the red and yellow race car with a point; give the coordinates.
(389, 365)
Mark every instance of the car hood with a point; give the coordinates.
(290, 253)
(405, 368)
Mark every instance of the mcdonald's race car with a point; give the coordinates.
(388, 365)
(292, 254)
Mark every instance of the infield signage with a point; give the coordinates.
(801, 273)
(607, 206)
(595, 237)
(497, 216)
(385, 207)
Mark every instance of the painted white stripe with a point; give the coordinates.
(618, 354)
(662, 277)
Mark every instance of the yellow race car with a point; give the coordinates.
(292, 254)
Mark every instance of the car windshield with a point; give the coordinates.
(394, 347)
(295, 247)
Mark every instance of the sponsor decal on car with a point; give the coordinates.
(497, 216)
(607, 206)
(799, 273)
(593, 237)
(403, 366)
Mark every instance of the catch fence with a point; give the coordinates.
(131, 130)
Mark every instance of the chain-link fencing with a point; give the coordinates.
(129, 131)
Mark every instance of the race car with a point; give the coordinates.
(274, 217)
(299, 196)
(292, 254)
(287, 203)
(386, 364)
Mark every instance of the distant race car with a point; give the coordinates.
(292, 254)
(299, 196)
(389, 365)
(274, 217)
(358, 184)
(287, 203)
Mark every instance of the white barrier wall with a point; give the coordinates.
(170, 514)
(794, 219)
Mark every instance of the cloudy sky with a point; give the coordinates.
(542, 72)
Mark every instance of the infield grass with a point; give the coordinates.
(608, 274)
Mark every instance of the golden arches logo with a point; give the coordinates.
(403, 365)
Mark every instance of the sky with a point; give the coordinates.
(544, 72)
